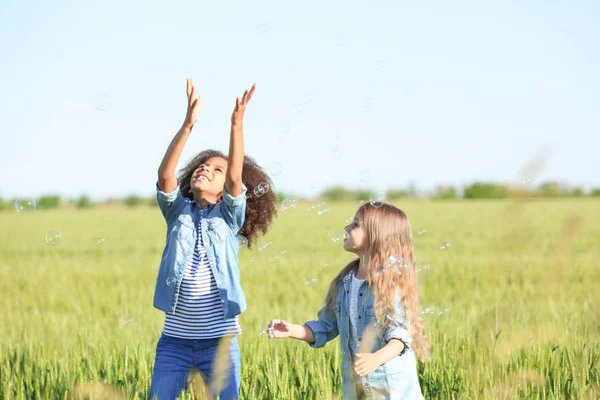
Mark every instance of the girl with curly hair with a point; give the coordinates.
(209, 217)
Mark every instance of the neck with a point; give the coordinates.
(204, 199)
(363, 262)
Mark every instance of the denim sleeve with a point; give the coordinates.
(398, 329)
(324, 329)
(170, 204)
(234, 208)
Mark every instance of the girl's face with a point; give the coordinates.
(355, 237)
(209, 178)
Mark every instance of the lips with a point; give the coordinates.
(202, 178)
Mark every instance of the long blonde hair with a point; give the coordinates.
(388, 237)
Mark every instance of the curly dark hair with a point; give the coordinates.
(260, 211)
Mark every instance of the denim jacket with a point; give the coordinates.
(396, 379)
(221, 224)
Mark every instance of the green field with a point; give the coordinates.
(521, 280)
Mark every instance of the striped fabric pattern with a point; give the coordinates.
(199, 313)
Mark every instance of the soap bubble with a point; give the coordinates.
(53, 237)
(102, 102)
(289, 205)
(25, 204)
(261, 189)
(171, 281)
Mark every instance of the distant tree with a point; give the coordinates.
(362, 194)
(396, 194)
(445, 192)
(84, 202)
(595, 192)
(153, 201)
(578, 192)
(337, 193)
(552, 189)
(133, 201)
(4, 205)
(486, 190)
(48, 202)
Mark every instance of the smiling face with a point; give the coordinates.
(208, 180)
(355, 236)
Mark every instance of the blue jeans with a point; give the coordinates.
(175, 359)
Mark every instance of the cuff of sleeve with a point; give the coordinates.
(169, 197)
(318, 332)
(237, 200)
(401, 334)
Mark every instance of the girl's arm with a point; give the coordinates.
(279, 328)
(167, 180)
(368, 362)
(233, 178)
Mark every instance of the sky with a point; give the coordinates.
(427, 93)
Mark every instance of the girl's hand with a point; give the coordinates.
(366, 363)
(279, 328)
(194, 103)
(240, 106)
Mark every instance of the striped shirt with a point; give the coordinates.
(199, 311)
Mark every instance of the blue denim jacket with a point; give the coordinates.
(221, 224)
(396, 379)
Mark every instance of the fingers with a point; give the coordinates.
(251, 92)
(192, 94)
(188, 87)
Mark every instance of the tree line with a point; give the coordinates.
(477, 190)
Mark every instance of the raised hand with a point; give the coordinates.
(240, 106)
(194, 103)
(279, 328)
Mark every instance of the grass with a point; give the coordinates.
(520, 280)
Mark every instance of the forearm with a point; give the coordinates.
(171, 158)
(393, 348)
(302, 332)
(236, 151)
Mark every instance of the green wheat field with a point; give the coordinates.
(519, 291)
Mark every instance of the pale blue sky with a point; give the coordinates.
(424, 92)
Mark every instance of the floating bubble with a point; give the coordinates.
(297, 110)
(445, 245)
(262, 28)
(53, 237)
(261, 189)
(273, 259)
(310, 281)
(379, 65)
(340, 41)
(264, 246)
(171, 282)
(379, 270)
(364, 175)
(377, 201)
(336, 151)
(276, 169)
(100, 241)
(434, 310)
(408, 92)
(243, 242)
(127, 320)
(339, 236)
(308, 98)
(286, 127)
(397, 264)
(313, 185)
(368, 102)
(322, 209)
(216, 78)
(289, 205)
(102, 101)
(421, 231)
(25, 204)
(262, 330)
(422, 266)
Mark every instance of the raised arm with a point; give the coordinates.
(167, 180)
(233, 178)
